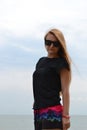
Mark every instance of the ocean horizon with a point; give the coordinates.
(25, 122)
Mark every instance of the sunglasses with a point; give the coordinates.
(49, 42)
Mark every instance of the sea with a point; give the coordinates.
(25, 122)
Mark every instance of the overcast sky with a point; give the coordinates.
(23, 24)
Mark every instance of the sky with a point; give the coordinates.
(23, 24)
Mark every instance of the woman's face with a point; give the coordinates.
(52, 45)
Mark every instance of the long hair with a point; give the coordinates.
(63, 49)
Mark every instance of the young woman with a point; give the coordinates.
(51, 80)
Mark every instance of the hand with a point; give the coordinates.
(66, 123)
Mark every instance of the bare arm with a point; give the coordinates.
(65, 84)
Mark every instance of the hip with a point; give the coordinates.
(50, 113)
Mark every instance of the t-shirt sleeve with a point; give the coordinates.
(63, 65)
(39, 61)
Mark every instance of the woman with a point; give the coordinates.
(51, 79)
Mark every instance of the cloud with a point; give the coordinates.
(31, 19)
(11, 79)
(16, 95)
(78, 90)
(16, 90)
(25, 48)
(21, 97)
(22, 28)
(78, 95)
(19, 17)
(24, 18)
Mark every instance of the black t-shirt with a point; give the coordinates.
(46, 81)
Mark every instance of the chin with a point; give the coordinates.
(51, 52)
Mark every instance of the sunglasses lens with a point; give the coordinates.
(56, 44)
(48, 43)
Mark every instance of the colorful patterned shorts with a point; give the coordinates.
(48, 118)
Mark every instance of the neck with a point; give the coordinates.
(53, 56)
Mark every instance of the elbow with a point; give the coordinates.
(65, 92)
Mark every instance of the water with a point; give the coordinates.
(16, 122)
(25, 122)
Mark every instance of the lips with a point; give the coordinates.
(51, 50)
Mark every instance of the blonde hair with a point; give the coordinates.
(63, 49)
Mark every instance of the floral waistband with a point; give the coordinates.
(50, 113)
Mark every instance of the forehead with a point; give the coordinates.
(51, 37)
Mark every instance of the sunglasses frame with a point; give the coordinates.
(49, 42)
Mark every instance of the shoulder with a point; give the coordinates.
(40, 61)
(63, 64)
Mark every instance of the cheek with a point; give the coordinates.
(56, 49)
(46, 47)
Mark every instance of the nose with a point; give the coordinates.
(51, 45)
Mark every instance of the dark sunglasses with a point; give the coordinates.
(49, 42)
